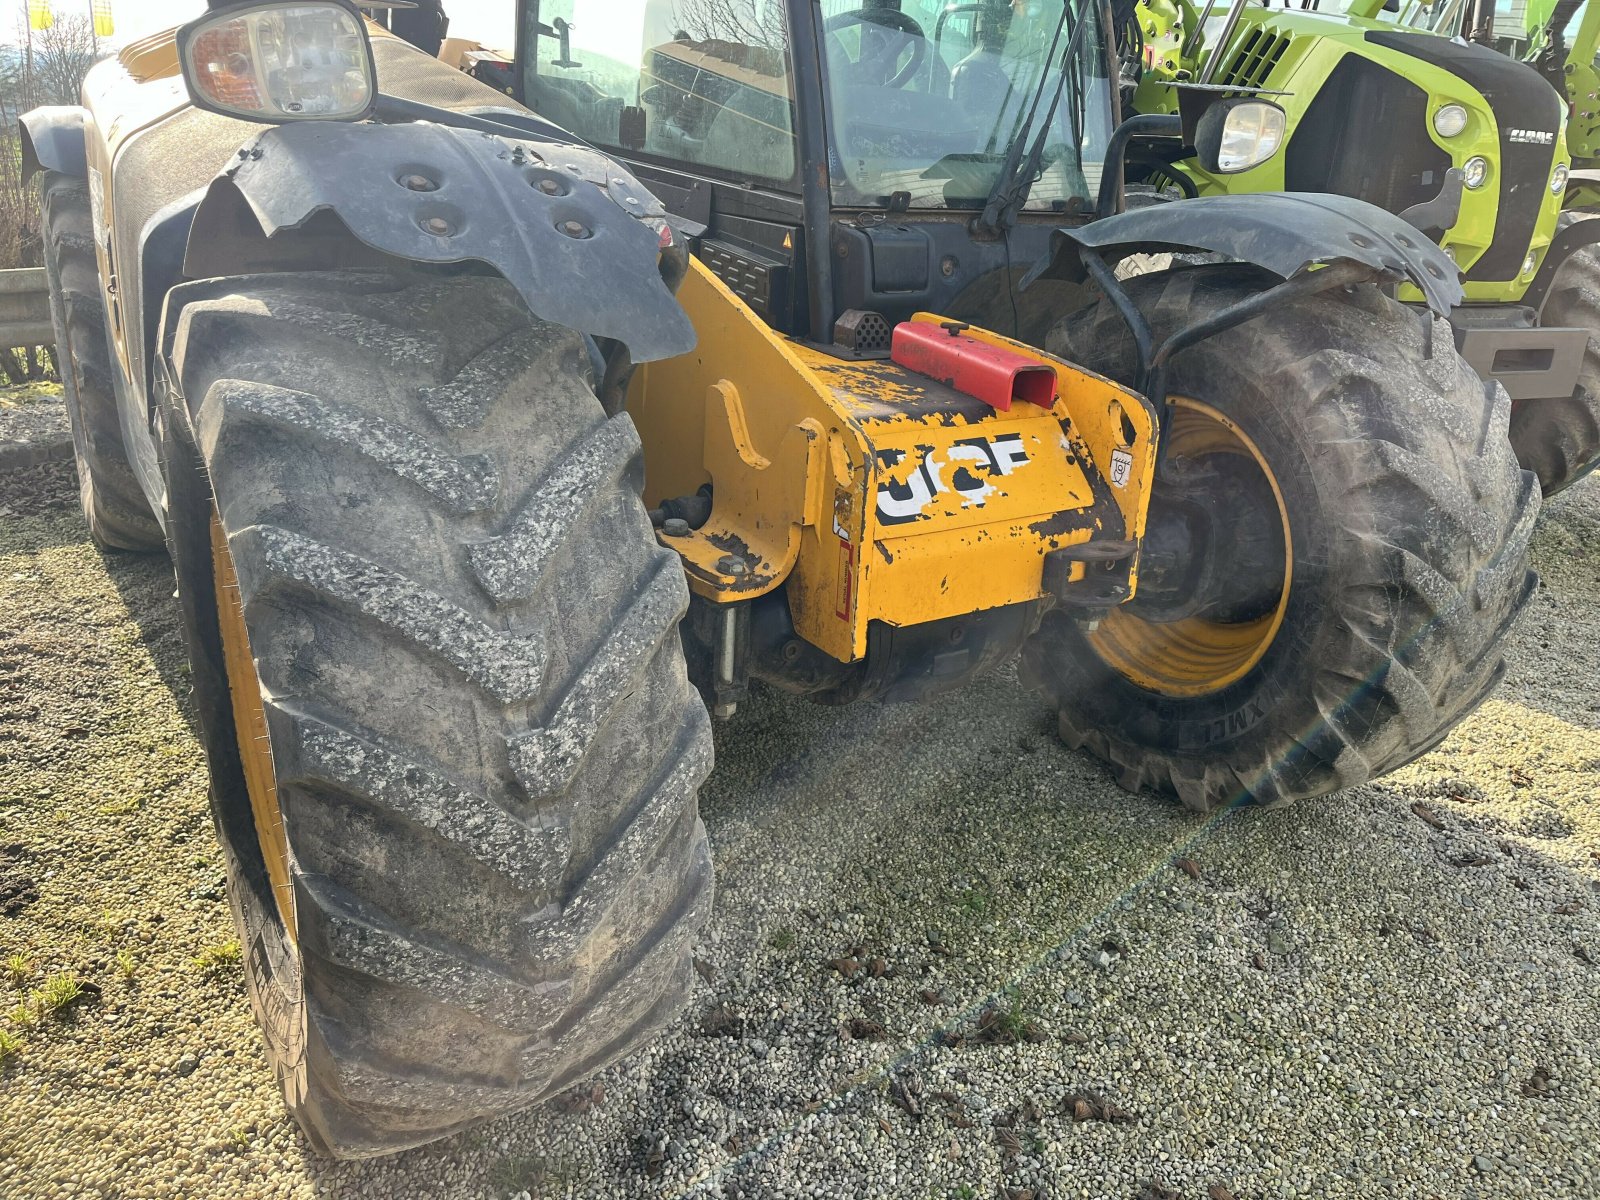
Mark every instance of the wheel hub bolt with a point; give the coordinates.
(675, 527)
(574, 229)
(549, 187)
(437, 226)
(732, 564)
(419, 183)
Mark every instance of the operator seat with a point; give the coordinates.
(980, 83)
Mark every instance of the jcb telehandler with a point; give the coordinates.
(384, 360)
(1471, 146)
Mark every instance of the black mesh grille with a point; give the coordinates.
(864, 331)
(1256, 60)
(1365, 136)
(1528, 112)
(747, 276)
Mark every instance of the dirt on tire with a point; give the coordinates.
(1558, 439)
(119, 516)
(1410, 523)
(486, 747)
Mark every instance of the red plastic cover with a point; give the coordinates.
(993, 374)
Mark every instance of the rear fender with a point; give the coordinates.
(52, 140)
(1284, 232)
(578, 237)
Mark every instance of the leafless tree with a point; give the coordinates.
(61, 57)
(750, 22)
(42, 66)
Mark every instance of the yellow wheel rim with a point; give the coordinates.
(250, 727)
(1195, 655)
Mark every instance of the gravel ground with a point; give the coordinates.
(972, 967)
(33, 426)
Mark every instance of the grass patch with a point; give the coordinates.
(10, 1045)
(29, 393)
(1007, 1023)
(974, 902)
(127, 963)
(104, 928)
(218, 959)
(18, 968)
(525, 1173)
(59, 993)
(781, 939)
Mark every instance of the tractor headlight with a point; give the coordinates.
(1558, 178)
(1529, 263)
(1235, 135)
(287, 60)
(1450, 120)
(1475, 171)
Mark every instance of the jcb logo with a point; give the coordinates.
(966, 468)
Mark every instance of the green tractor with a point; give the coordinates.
(1563, 36)
(1559, 39)
(1463, 142)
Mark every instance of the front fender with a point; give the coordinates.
(52, 140)
(575, 233)
(1284, 232)
(1583, 191)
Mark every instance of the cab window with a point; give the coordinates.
(926, 96)
(702, 82)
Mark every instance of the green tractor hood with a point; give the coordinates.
(1363, 100)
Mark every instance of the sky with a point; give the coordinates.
(487, 21)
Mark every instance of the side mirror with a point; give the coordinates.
(283, 60)
(1235, 135)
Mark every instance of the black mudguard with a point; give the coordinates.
(575, 233)
(1284, 232)
(52, 140)
(1570, 238)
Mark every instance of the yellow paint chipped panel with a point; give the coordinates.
(870, 492)
(1115, 426)
(932, 477)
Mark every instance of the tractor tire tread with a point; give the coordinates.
(114, 505)
(1558, 438)
(555, 872)
(1427, 515)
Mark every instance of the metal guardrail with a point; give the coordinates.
(25, 308)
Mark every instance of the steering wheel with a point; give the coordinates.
(888, 18)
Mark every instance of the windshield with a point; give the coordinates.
(1449, 17)
(705, 82)
(1437, 15)
(925, 97)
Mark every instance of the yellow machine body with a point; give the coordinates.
(869, 491)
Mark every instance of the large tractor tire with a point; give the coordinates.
(454, 750)
(113, 504)
(1559, 439)
(1337, 547)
